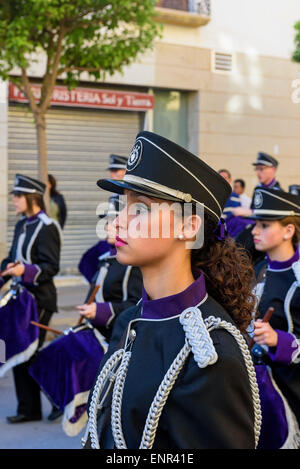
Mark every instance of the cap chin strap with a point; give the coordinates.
(286, 213)
(146, 183)
(264, 163)
(26, 189)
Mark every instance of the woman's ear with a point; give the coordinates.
(191, 227)
(289, 231)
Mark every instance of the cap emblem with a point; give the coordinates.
(258, 200)
(135, 155)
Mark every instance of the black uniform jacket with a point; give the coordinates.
(120, 289)
(207, 408)
(283, 359)
(36, 244)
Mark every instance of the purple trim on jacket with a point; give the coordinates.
(34, 217)
(113, 251)
(268, 186)
(30, 273)
(173, 305)
(286, 348)
(103, 314)
(1, 282)
(276, 265)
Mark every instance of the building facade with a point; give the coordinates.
(223, 85)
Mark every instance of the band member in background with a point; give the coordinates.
(58, 208)
(167, 361)
(277, 234)
(120, 287)
(88, 264)
(36, 245)
(266, 168)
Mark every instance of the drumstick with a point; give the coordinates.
(47, 328)
(266, 318)
(91, 299)
(3, 272)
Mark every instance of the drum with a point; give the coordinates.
(17, 309)
(66, 369)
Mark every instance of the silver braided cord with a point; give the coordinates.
(214, 323)
(198, 341)
(161, 397)
(198, 337)
(100, 383)
(116, 405)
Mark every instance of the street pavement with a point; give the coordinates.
(42, 434)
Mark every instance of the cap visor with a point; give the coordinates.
(118, 186)
(267, 217)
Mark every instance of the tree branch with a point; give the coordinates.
(50, 79)
(28, 92)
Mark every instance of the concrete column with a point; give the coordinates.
(3, 166)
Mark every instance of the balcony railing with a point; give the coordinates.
(185, 12)
(202, 7)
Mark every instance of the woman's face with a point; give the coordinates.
(269, 235)
(111, 232)
(147, 230)
(20, 203)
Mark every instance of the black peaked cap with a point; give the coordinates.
(160, 168)
(27, 185)
(117, 162)
(270, 204)
(265, 159)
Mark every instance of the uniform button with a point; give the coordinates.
(188, 314)
(132, 334)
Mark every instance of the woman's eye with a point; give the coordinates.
(265, 225)
(139, 209)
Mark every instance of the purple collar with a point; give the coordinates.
(112, 250)
(34, 217)
(270, 185)
(276, 265)
(173, 305)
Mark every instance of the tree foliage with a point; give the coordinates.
(72, 36)
(296, 54)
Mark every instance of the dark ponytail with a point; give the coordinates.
(229, 274)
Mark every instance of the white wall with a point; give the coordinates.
(260, 27)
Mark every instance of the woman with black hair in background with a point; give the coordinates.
(57, 205)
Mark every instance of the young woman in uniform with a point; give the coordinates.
(277, 233)
(36, 245)
(178, 373)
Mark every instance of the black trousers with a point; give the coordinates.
(27, 389)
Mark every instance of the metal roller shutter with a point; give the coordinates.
(79, 143)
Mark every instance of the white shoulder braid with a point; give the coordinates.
(198, 337)
(49, 221)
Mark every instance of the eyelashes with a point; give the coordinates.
(138, 208)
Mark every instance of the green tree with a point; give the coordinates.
(73, 36)
(296, 54)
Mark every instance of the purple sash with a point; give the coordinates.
(89, 261)
(66, 370)
(20, 337)
(276, 426)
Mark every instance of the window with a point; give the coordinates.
(170, 116)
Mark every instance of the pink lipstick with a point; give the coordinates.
(120, 242)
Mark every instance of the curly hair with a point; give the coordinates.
(229, 275)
